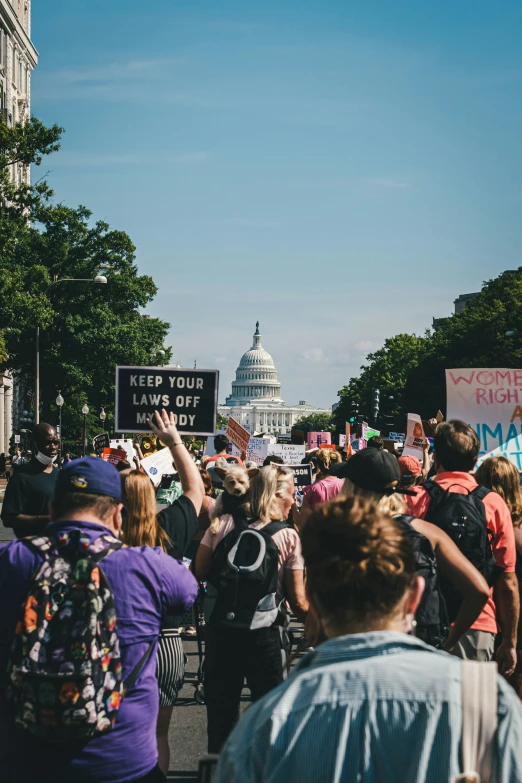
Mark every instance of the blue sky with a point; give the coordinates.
(339, 170)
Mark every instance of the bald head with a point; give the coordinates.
(46, 439)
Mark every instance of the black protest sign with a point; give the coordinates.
(302, 475)
(101, 442)
(191, 395)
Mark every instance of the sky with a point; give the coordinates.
(340, 170)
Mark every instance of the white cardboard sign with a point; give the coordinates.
(413, 445)
(158, 465)
(290, 453)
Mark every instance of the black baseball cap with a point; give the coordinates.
(372, 470)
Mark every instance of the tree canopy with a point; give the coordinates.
(315, 422)
(86, 328)
(411, 369)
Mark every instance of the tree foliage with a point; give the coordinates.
(412, 369)
(315, 422)
(86, 328)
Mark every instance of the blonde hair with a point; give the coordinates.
(500, 475)
(326, 458)
(140, 527)
(264, 490)
(386, 504)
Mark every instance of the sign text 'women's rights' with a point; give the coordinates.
(490, 401)
(190, 394)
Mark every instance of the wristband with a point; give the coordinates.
(177, 444)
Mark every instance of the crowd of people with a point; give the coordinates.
(403, 574)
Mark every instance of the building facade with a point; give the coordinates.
(255, 401)
(18, 58)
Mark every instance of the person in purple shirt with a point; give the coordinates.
(147, 585)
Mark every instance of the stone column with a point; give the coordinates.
(2, 418)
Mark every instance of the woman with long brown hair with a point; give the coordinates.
(501, 476)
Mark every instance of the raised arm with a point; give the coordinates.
(165, 429)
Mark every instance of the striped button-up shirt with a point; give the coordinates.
(378, 707)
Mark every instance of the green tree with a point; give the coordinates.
(86, 329)
(315, 422)
(388, 370)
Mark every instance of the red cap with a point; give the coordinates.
(410, 464)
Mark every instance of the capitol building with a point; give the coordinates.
(256, 401)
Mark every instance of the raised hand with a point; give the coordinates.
(165, 428)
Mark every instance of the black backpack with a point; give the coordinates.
(242, 584)
(431, 618)
(463, 518)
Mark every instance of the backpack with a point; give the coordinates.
(242, 584)
(431, 618)
(463, 518)
(65, 670)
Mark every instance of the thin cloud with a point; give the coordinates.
(188, 157)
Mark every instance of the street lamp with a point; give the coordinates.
(103, 416)
(59, 404)
(101, 279)
(85, 411)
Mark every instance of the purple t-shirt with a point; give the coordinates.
(147, 585)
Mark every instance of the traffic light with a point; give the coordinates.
(376, 400)
(354, 410)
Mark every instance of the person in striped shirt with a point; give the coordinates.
(372, 703)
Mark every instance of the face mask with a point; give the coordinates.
(44, 459)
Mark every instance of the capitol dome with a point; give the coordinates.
(256, 377)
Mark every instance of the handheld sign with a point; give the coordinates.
(114, 455)
(157, 465)
(302, 475)
(101, 442)
(191, 395)
(237, 434)
(413, 446)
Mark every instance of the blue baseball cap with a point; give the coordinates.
(91, 475)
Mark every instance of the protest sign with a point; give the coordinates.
(257, 450)
(389, 445)
(369, 432)
(342, 441)
(439, 417)
(17, 438)
(302, 475)
(316, 439)
(413, 445)
(237, 434)
(114, 455)
(101, 442)
(490, 401)
(191, 395)
(289, 452)
(127, 445)
(157, 465)
(399, 437)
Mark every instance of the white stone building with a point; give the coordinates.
(18, 57)
(256, 401)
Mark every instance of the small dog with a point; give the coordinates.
(236, 481)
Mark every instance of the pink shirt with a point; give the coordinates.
(499, 522)
(286, 540)
(323, 490)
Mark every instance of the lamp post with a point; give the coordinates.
(101, 279)
(59, 404)
(85, 411)
(103, 416)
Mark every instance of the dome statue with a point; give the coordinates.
(256, 377)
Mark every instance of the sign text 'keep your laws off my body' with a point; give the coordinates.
(190, 394)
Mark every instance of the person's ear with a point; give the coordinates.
(412, 600)
(117, 522)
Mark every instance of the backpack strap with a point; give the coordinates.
(135, 673)
(434, 489)
(406, 518)
(479, 720)
(273, 527)
(480, 492)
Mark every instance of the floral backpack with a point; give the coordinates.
(65, 670)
